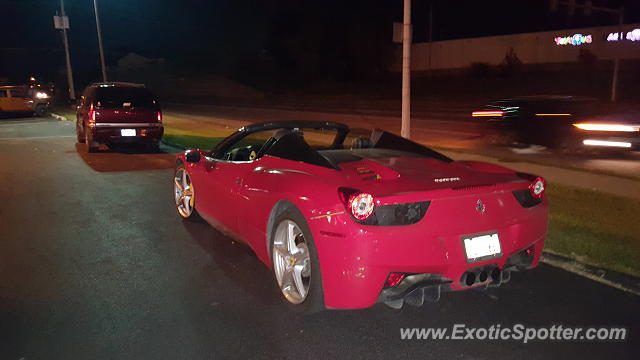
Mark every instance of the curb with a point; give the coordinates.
(174, 145)
(620, 281)
(59, 117)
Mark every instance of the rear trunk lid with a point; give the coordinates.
(126, 105)
(397, 175)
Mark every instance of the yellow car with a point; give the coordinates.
(23, 99)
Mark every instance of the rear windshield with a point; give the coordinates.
(119, 97)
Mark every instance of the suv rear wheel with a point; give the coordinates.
(92, 146)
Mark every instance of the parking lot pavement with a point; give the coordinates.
(96, 264)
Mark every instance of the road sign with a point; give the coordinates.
(61, 22)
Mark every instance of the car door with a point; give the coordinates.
(4, 99)
(17, 101)
(217, 181)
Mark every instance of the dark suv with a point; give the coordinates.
(111, 113)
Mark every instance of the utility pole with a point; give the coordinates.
(406, 71)
(104, 68)
(616, 63)
(64, 25)
(430, 33)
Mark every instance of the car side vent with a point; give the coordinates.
(525, 198)
(397, 214)
(367, 174)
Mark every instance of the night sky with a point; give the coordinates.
(188, 31)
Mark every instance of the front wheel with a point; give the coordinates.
(295, 263)
(41, 110)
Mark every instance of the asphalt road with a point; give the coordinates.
(96, 264)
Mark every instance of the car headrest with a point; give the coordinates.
(361, 143)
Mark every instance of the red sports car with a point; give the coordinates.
(347, 218)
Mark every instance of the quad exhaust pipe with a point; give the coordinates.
(482, 275)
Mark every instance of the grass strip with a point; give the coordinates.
(595, 228)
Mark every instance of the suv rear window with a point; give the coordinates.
(118, 97)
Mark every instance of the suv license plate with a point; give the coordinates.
(128, 132)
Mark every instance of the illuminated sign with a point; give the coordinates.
(575, 40)
(633, 35)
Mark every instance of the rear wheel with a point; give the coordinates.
(184, 194)
(295, 263)
(79, 136)
(153, 146)
(92, 146)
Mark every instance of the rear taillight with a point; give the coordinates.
(393, 279)
(359, 204)
(91, 114)
(537, 187)
(159, 116)
(487, 113)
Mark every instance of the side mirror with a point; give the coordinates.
(193, 156)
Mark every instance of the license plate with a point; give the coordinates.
(128, 132)
(482, 247)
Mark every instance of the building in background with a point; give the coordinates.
(539, 48)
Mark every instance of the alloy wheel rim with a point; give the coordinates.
(183, 193)
(291, 262)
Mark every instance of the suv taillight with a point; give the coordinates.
(91, 114)
(159, 116)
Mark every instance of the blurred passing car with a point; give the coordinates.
(562, 122)
(24, 99)
(112, 113)
(348, 218)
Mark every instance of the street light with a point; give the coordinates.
(104, 68)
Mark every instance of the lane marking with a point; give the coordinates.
(30, 122)
(38, 137)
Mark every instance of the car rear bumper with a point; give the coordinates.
(356, 260)
(112, 132)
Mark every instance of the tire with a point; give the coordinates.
(81, 139)
(91, 145)
(284, 270)
(186, 207)
(41, 110)
(153, 146)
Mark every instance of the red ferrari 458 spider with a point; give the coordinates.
(347, 218)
